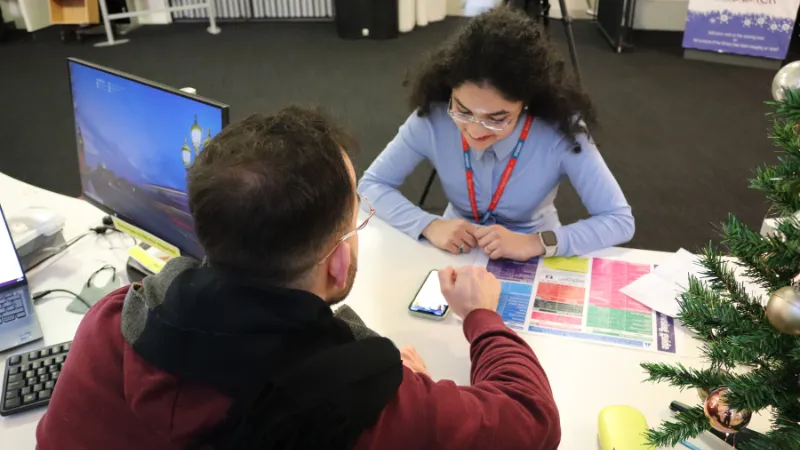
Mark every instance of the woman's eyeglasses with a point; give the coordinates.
(489, 124)
(352, 233)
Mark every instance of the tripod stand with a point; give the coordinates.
(541, 8)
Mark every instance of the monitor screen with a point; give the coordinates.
(136, 140)
(10, 267)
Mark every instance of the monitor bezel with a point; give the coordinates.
(15, 283)
(224, 108)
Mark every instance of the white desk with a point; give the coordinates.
(585, 377)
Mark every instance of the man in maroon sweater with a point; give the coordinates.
(243, 351)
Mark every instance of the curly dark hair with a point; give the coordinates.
(511, 52)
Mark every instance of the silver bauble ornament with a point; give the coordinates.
(786, 78)
(783, 310)
(721, 416)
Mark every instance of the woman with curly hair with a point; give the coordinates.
(501, 123)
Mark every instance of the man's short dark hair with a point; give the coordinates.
(271, 194)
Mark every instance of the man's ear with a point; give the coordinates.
(339, 264)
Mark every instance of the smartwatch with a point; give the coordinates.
(549, 242)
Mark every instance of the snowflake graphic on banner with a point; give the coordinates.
(747, 22)
(723, 18)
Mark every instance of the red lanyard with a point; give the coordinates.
(503, 180)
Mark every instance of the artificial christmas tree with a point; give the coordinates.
(753, 350)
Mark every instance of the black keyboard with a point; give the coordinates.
(11, 307)
(31, 377)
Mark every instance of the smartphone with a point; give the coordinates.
(429, 301)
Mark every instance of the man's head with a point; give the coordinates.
(271, 196)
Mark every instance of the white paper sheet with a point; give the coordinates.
(661, 288)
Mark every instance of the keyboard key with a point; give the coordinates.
(26, 390)
(15, 377)
(61, 358)
(14, 360)
(48, 362)
(12, 403)
(50, 384)
(41, 371)
(28, 398)
(31, 381)
(43, 378)
(9, 318)
(20, 315)
(53, 368)
(33, 355)
(29, 374)
(13, 370)
(65, 347)
(54, 376)
(43, 353)
(45, 394)
(38, 387)
(15, 385)
(36, 365)
(12, 393)
(56, 349)
(26, 367)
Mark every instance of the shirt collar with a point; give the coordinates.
(503, 148)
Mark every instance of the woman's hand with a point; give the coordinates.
(498, 241)
(455, 236)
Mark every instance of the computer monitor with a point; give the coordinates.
(136, 140)
(10, 267)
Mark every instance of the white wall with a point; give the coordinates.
(668, 15)
(158, 18)
(12, 13)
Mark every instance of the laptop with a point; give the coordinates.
(18, 322)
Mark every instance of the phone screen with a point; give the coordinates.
(429, 299)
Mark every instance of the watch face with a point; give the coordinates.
(549, 239)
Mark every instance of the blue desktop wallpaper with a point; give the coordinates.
(130, 138)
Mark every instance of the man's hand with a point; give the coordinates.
(498, 242)
(455, 236)
(412, 360)
(469, 288)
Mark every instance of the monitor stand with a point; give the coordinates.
(144, 260)
(136, 272)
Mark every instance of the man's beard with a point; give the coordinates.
(348, 286)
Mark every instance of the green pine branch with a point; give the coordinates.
(768, 262)
(785, 434)
(787, 109)
(762, 364)
(778, 184)
(687, 424)
(721, 277)
(759, 389)
(784, 137)
(684, 377)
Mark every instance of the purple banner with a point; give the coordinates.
(748, 27)
(506, 269)
(665, 332)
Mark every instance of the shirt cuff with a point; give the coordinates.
(562, 237)
(424, 220)
(481, 321)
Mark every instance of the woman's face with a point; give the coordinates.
(485, 103)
